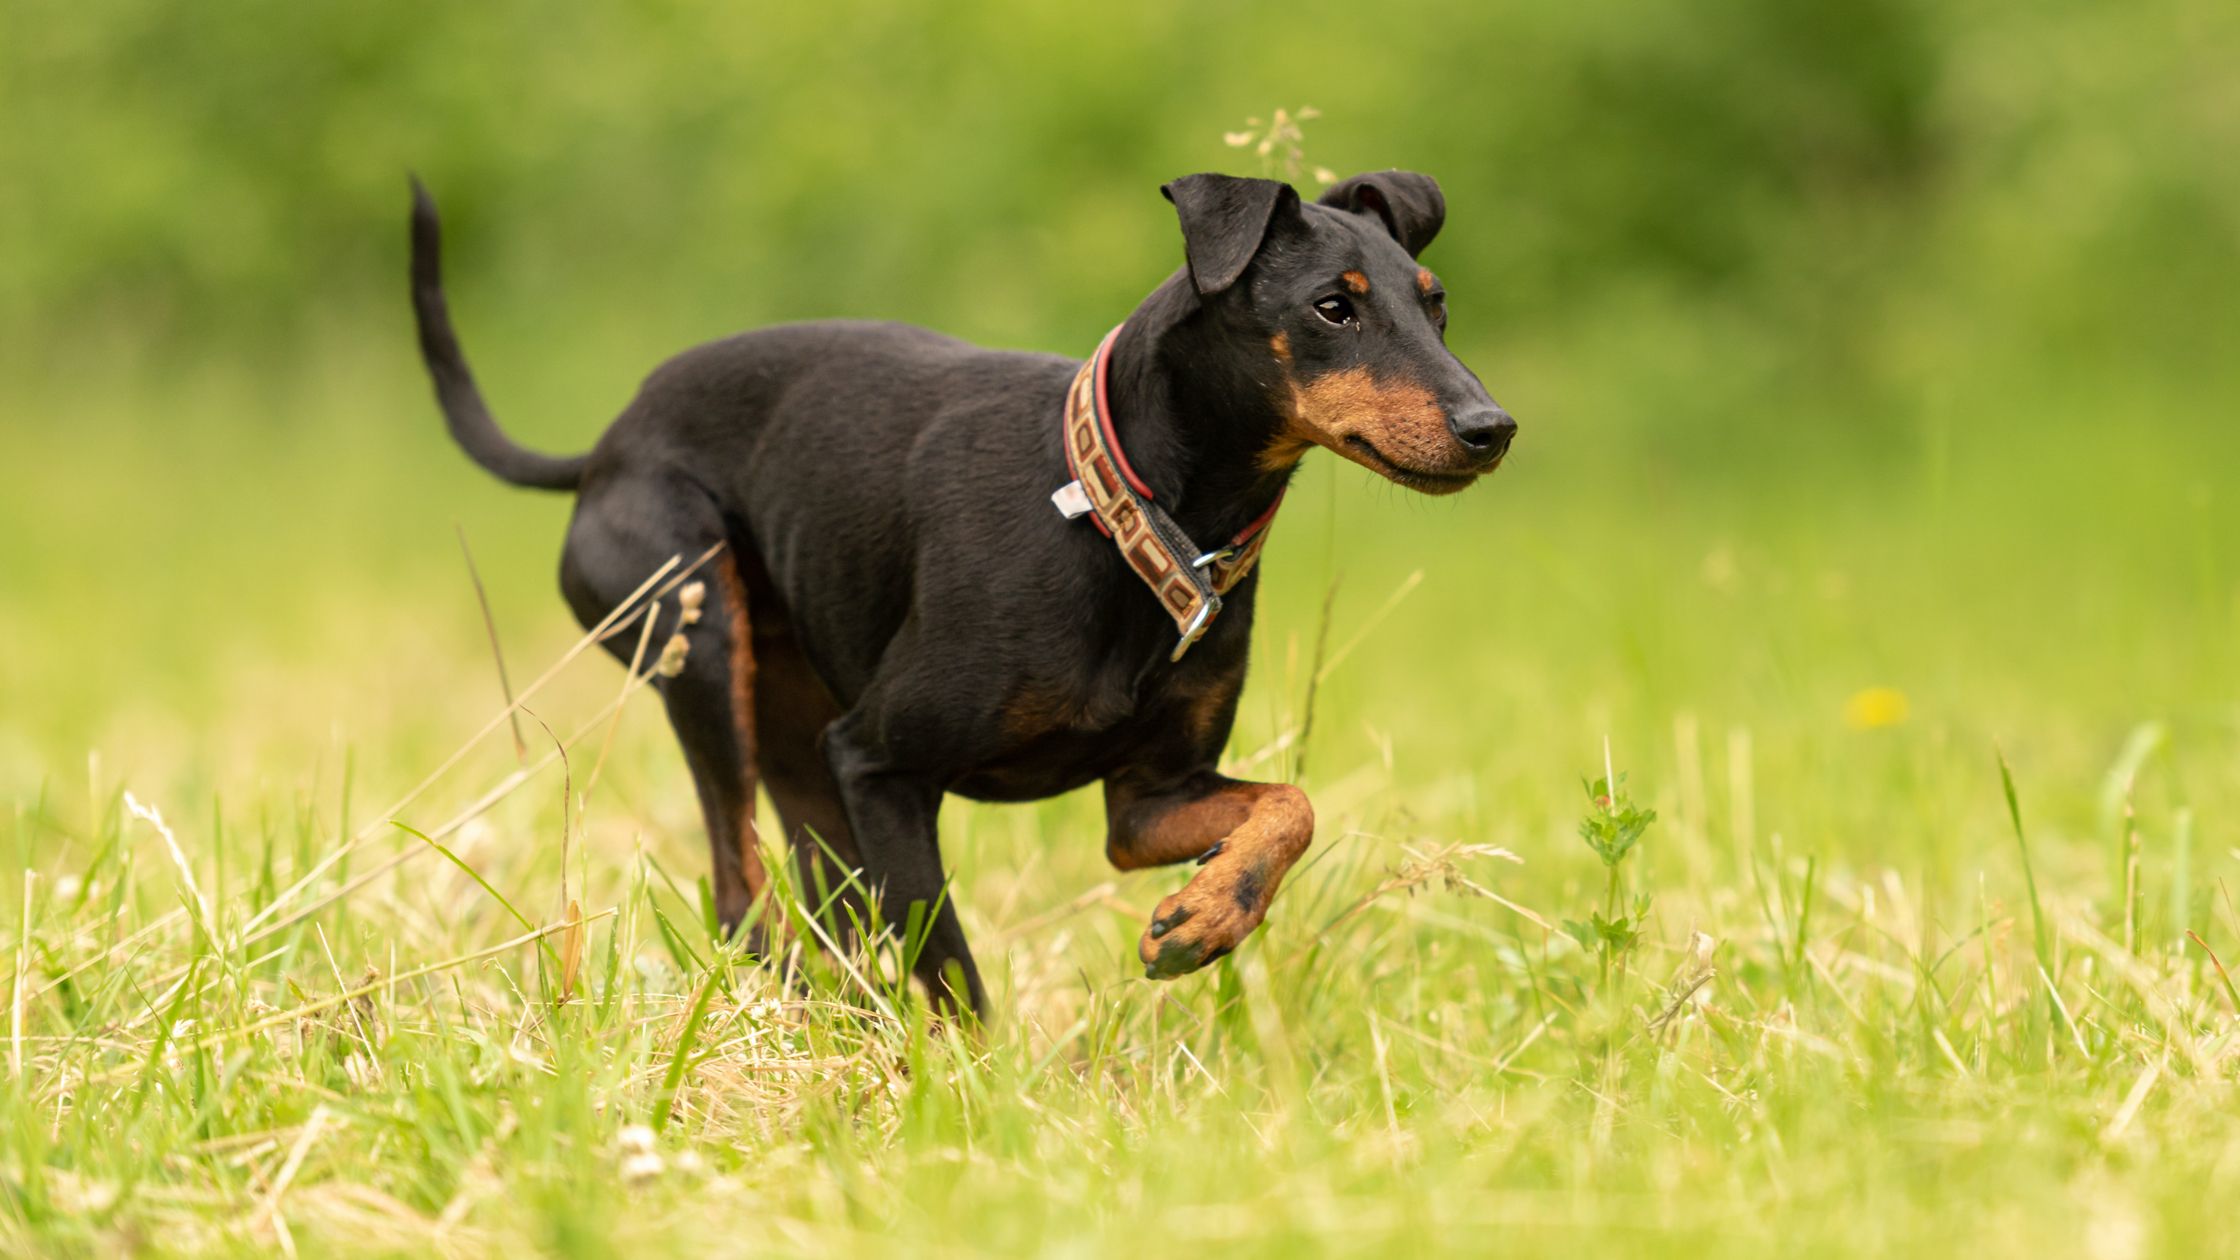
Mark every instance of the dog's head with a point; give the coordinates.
(1354, 327)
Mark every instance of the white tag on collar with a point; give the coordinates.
(1072, 501)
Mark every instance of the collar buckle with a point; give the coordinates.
(1197, 627)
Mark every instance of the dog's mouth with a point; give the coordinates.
(1422, 480)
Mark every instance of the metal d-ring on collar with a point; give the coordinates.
(1107, 490)
(1197, 627)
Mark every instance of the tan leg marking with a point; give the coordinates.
(1255, 833)
(742, 722)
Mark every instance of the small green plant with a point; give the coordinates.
(1613, 825)
(1280, 142)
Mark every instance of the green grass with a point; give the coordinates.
(334, 1039)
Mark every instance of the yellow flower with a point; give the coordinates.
(1873, 707)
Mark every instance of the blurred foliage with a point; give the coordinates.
(1856, 196)
(1848, 287)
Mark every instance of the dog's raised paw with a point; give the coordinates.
(1200, 925)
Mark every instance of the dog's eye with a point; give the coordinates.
(1335, 308)
(1439, 310)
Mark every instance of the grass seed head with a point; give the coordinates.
(673, 653)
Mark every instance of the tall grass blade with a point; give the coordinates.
(681, 1059)
(2029, 876)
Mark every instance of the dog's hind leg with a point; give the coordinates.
(792, 707)
(614, 544)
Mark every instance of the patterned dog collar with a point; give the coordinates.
(1107, 490)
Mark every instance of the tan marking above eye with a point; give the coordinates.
(1424, 281)
(1356, 282)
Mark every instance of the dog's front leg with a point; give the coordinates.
(1245, 835)
(892, 815)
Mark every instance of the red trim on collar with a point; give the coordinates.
(1260, 522)
(1103, 360)
(1104, 414)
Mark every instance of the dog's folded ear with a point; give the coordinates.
(1410, 206)
(1224, 220)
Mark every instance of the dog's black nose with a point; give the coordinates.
(1484, 431)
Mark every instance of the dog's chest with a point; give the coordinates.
(1059, 737)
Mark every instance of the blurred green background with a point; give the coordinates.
(1855, 344)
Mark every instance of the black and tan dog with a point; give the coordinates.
(902, 606)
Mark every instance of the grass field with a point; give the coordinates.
(303, 1027)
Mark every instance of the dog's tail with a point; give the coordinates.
(472, 425)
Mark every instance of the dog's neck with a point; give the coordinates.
(1193, 415)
